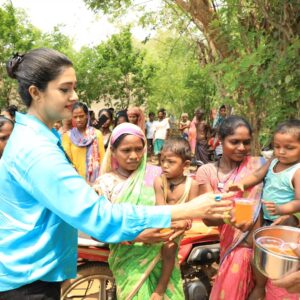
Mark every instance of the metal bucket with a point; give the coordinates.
(272, 264)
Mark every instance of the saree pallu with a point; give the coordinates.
(235, 280)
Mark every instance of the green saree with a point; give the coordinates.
(137, 267)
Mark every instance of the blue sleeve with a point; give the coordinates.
(52, 181)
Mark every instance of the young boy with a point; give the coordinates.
(173, 187)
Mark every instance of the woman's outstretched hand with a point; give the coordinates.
(206, 205)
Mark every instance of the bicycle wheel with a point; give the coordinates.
(94, 281)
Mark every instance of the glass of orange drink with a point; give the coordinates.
(244, 210)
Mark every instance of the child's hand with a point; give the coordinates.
(272, 208)
(235, 187)
(180, 227)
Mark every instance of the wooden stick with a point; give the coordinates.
(144, 276)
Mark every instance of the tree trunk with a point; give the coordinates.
(255, 122)
(203, 14)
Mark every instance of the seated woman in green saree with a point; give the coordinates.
(126, 177)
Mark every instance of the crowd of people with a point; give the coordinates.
(62, 169)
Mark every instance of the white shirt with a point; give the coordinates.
(150, 127)
(161, 128)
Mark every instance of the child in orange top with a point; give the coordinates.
(173, 187)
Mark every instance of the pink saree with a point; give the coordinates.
(234, 279)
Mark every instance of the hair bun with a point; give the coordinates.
(12, 65)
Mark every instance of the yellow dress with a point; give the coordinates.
(78, 154)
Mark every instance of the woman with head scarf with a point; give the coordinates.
(84, 144)
(136, 116)
(127, 178)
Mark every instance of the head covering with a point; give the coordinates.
(109, 163)
(90, 141)
(140, 115)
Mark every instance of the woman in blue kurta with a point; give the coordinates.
(43, 199)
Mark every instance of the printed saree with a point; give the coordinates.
(235, 279)
(137, 267)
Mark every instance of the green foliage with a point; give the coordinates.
(179, 85)
(114, 72)
(17, 35)
(258, 76)
(261, 76)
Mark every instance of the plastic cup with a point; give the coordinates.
(244, 210)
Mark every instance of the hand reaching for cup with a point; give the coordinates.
(271, 207)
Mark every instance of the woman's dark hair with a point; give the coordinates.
(81, 105)
(291, 127)
(107, 111)
(230, 124)
(118, 141)
(4, 120)
(120, 114)
(11, 109)
(179, 146)
(37, 67)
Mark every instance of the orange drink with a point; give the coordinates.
(244, 209)
(277, 246)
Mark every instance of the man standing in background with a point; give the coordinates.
(161, 131)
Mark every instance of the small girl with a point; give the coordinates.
(281, 192)
(173, 187)
(127, 178)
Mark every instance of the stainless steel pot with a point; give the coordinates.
(276, 265)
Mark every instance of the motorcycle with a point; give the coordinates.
(198, 258)
(199, 254)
